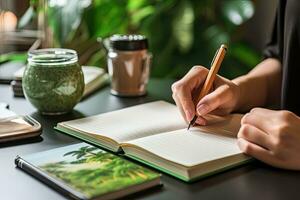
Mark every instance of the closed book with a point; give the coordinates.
(83, 171)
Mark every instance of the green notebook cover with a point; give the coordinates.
(83, 171)
(193, 179)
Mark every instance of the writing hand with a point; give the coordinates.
(222, 100)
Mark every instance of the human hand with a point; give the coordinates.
(272, 137)
(221, 101)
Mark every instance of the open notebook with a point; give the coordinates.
(155, 134)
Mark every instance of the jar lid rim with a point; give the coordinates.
(52, 56)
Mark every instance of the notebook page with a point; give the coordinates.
(188, 148)
(133, 122)
(228, 125)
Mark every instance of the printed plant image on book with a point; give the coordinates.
(93, 171)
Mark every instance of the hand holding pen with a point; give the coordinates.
(201, 91)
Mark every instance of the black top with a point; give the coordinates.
(284, 45)
(129, 42)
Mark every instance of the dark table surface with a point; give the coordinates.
(252, 181)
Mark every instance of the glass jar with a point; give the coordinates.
(53, 80)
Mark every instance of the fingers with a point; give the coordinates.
(184, 101)
(256, 151)
(269, 136)
(182, 91)
(178, 104)
(264, 134)
(213, 100)
(186, 107)
(260, 153)
(256, 136)
(195, 77)
(264, 119)
(188, 117)
(270, 121)
(201, 121)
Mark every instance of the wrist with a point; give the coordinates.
(239, 94)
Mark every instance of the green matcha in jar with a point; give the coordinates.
(53, 80)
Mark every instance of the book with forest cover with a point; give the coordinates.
(82, 171)
(155, 134)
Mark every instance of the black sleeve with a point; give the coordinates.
(271, 49)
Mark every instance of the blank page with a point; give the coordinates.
(188, 148)
(131, 123)
(228, 125)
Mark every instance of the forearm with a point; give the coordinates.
(260, 87)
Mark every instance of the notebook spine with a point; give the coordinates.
(42, 176)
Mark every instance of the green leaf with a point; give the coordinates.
(140, 14)
(181, 33)
(237, 11)
(133, 5)
(27, 17)
(105, 18)
(215, 36)
(64, 18)
(183, 26)
(244, 54)
(97, 59)
(13, 57)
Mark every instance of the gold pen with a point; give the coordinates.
(215, 66)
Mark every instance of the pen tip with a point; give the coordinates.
(192, 122)
(189, 126)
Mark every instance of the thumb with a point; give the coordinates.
(213, 100)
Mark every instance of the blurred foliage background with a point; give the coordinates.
(182, 33)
